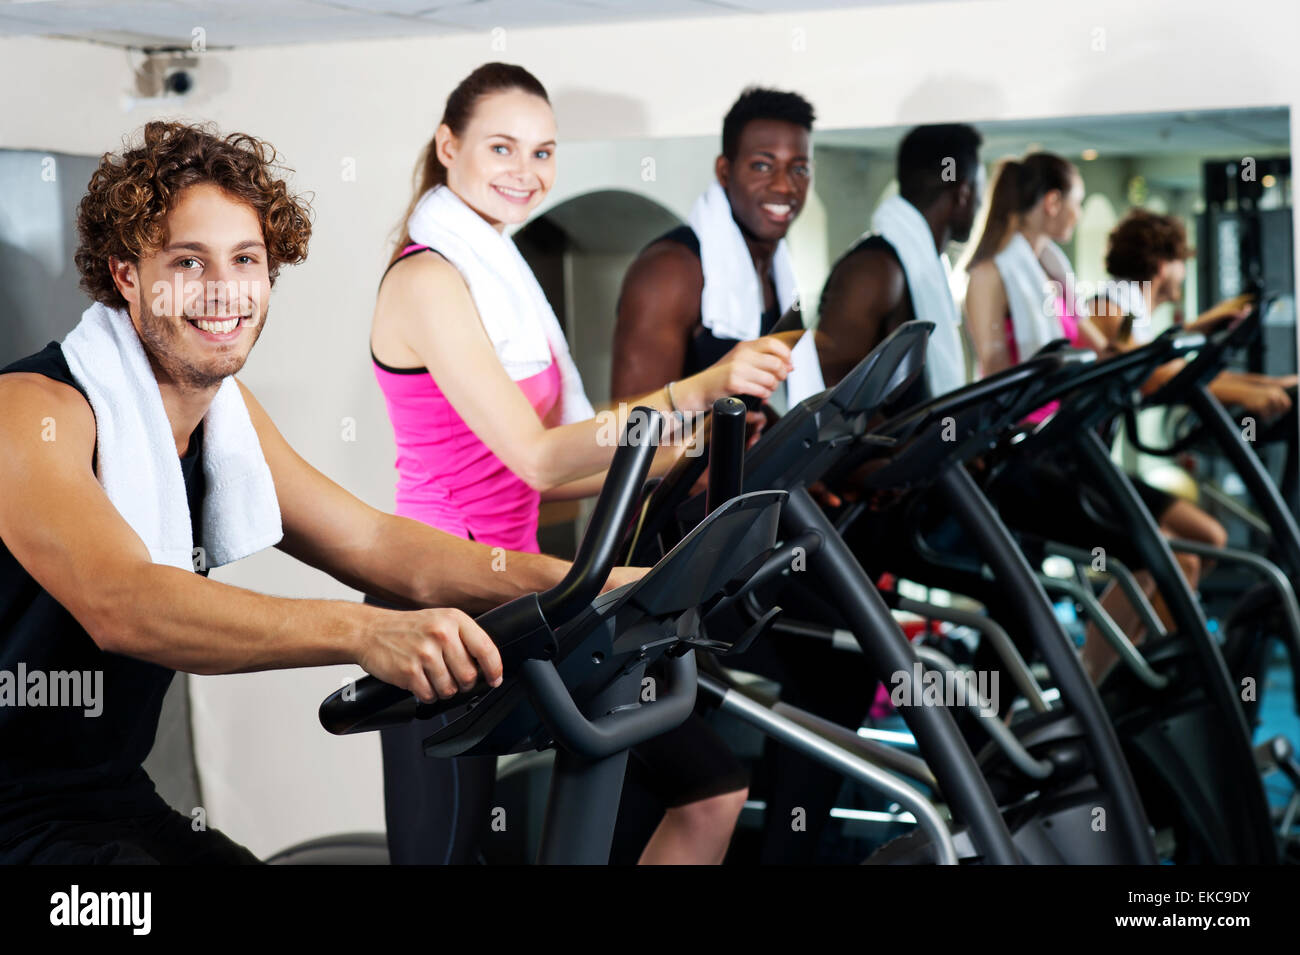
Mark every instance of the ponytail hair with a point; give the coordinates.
(1017, 188)
(429, 170)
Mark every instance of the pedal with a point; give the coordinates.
(1284, 757)
(1278, 754)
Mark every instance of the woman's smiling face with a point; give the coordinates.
(503, 164)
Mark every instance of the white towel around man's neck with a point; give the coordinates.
(512, 306)
(732, 303)
(901, 225)
(1033, 283)
(138, 465)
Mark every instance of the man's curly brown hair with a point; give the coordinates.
(1142, 242)
(123, 212)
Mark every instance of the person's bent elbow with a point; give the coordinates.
(537, 470)
(115, 613)
(109, 612)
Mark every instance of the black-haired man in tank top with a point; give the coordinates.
(673, 317)
(180, 240)
(879, 283)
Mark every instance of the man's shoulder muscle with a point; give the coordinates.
(40, 410)
(667, 273)
(871, 273)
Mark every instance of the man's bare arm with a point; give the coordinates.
(657, 308)
(394, 558)
(61, 527)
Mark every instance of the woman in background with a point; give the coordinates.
(1019, 299)
(490, 417)
(1011, 310)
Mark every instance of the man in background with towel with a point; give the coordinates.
(131, 461)
(896, 272)
(700, 290)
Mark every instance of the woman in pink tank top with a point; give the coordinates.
(446, 476)
(477, 450)
(1041, 198)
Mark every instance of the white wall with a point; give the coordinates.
(271, 775)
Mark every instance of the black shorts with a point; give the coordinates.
(157, 838)
(1156, 500)
(682, 766)
(1042, 495)
(686, 765)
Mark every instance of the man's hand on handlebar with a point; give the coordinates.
(434, 654)
(1263, 400)
(1228, 310)
(751, 368)
(755, 422)
(824, 496)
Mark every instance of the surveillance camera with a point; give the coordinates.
(166, 73)
(178, 82)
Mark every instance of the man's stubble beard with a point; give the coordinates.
(162, 343)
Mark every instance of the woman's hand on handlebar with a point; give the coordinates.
(619, 576)
(751, 368)
(434, 654)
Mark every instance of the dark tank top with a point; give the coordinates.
(705, 348)
(57, 762)
(918, 391)
(879, 243)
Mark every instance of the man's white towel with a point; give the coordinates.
(731, 306)
(138, 465)
(901, 225)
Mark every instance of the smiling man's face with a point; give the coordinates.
(767, 183)
(200, 302)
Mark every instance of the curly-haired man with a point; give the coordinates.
(1146, 259)
(131, 460)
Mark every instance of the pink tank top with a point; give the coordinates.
(1069, 329)
(446, 476)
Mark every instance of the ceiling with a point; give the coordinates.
(150, 24)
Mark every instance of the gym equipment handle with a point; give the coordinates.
(523, 628)
(609, 520)
(726, 453)
(616, 731)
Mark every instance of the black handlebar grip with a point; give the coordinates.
(518, 628)
(726, 452)
(609, 520)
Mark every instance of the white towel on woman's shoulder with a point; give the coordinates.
(511, 304)
(138, 465)
(1032, 284)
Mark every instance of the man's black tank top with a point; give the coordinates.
(879, 243)
(57, 762)
(918, 391)
(705, 348)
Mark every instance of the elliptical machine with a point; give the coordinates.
(1173, 702)
(575, 661)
